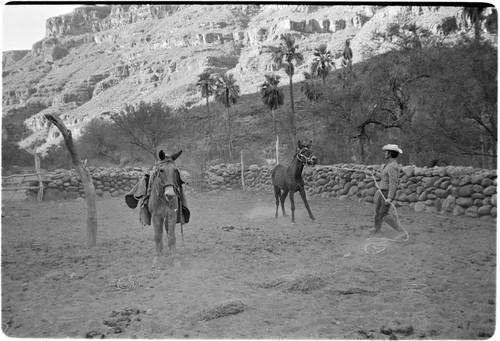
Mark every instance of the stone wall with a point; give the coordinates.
(457, 190)
(108, 182)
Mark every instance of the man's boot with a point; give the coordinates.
(377, 225)
(395, 224)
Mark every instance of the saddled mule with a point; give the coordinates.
(289, 179)
(163, 201)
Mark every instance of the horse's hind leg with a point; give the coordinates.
(283, 198)
(158, 227)
(277, 193)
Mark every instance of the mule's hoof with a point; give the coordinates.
(155, 263)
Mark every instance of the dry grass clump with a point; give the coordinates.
(224, 309)
(128, 283)
(301, 282)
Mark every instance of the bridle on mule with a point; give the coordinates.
(176, 187)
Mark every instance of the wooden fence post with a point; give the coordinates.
(242, 174)
(39, 197)
(84, 174)
(277, 147)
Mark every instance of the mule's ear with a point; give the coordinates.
(176, 155)
(299, 144)
(161, 155)
(309, 144)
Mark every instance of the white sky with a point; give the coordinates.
(24, 25)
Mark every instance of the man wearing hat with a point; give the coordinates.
(388, 185)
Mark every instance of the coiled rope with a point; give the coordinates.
(377, 244)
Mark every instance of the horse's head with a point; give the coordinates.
(167, 176)
(305, 154)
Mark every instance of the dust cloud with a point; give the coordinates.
(260, 213)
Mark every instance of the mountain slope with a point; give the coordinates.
(98, 58)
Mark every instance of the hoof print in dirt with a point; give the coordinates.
(366, 334)
(484, 334)
(228, 228)
(121, 319)
(406, 331)
(93, 334)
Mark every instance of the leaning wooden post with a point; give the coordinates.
(84, 174)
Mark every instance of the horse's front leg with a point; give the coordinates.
(170, 229)
(304, 199)
(158, 227)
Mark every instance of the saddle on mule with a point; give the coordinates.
(139, 195)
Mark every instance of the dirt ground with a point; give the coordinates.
(243, 274)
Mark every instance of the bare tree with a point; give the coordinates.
(146, 125)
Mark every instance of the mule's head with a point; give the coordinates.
(167, 176)
(305, 154)
(167, 157)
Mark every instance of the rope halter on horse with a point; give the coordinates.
(306, 160)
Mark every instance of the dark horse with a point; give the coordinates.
(289, 179)
(163, 202)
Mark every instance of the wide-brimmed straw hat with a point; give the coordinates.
(393, 147)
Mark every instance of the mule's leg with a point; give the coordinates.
(304, 199)
(292, 206)
(277, 193)
(170, 228)
(158, 227)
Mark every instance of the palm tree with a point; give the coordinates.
(474, 15)
(322, 62)
(227, 92)
(206, 85)
(272, 96)
(311, 89)
(347, 62)
(285, 57)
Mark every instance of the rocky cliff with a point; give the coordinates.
(97, 58)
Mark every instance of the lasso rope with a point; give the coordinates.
(378, 243)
